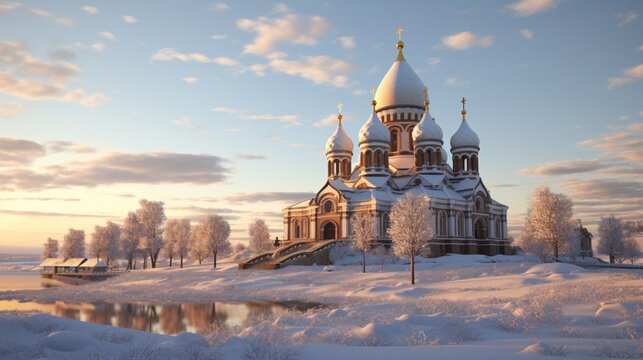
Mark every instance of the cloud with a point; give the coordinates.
(269, 197)
(62, 54)
(90, 9)
(54, 214)
(8, 110)
(319, 69)
(454, 81)
(185, 122)
(39, 79)
(531, 7)
(626, 144)
(218, 37)
(627, 17)
(563, 168)
(632, 74)
(51, 17)
(68, 146)
(251, 157)
(41, 199)
(107, 35)
(18, 151)
(190, 80)
(130, 19)
(503, 185)
(9, 6)
(219, 7)
(347, 42)
(604, 190)
(640, 48)
(466, 40)
(169, 54)
(97, 46)
(527, 34)
(433, 61)
(244, 115)
(293, 29)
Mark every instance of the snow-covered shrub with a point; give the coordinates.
(261, 348)
(605, 349)
(341, 251)
(547, 349)
(509, 322)
(419, 338)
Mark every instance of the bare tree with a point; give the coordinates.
(549, 220)
(73, 244)
(259, 236)
(411, 227)
(177, 238)
(105, 242)
(131, 233)
(362, 233)
(50, 249)
(151, 215)
(216, 232)
(198, 246)
(610, 233)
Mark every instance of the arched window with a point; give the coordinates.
(479, 204)
(429, 157)
(346, 167)
(378, 158)
(465, 163)
(330, 168)
(329, 231)
(304, 228)
(499, 234)
(442, 223)
(460, 224)
(297, 229)
(394, 136)
(328, 206)
(474, 163)
(438, 156)
(335, 167)
(368, 158)
(480, 229)
(419, 159)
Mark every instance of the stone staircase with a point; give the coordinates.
(296, 253)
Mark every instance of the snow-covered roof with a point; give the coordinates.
(427, 130)
(374, 130)
(464, 137)
(339, 141)
(72, 262)
(401, 86)
(93, 263)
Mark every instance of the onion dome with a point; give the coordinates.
(427, 129)
(401, 86)
(339, 141)
(464, 136)
(374, 130)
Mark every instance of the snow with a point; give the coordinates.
(462, 307)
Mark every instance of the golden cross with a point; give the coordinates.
(463, 101)
(399, 33)
(426, 93)
(340, 107)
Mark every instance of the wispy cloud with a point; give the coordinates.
(219, 7)
(245, 115)
(626, 144)
(467, 40)
(185, 122)
(107, 35)
(130, 19)
(68, 146)
(433, 61)
(527, 34)
(218, 37)
(18, 151)
(251, 157)
(347, 42)
(320, 69)
(269, 196)
(54, 214)
(51, 17)
(454, 81)
(564, 167)
(531, 7)
(9, 6)
(632, 74)
(90, 9)
(9, 110)
(190, 80)
(627, 17)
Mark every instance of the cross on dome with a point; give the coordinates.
(464, 111)
(340, 107)
(399, 33)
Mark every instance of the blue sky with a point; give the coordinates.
(226, 107)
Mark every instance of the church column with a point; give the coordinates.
(451, 223)
(468, 224)
(492, 228)
(503, 221)
(343, 224)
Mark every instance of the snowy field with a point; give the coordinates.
(462, 307)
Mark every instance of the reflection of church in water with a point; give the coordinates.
(401, 150)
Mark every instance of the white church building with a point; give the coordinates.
(401, 149)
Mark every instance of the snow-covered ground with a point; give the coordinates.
(462, 307)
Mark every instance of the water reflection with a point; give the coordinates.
(165, 319)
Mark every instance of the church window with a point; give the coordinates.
(442, 223)
(347, 167)
(335, 167)
(465, 163)
(479, 204)
(378, 158)
(474, 163)
(388, 117)
(330, 168)
(328, 206)
(429, 157)
(498, 228)
(394, 136)
(438, 155)
(386, 223)
(297, 229)
(419, 159)
(368, 158)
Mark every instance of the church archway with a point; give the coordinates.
(480, 229)
(329, 231)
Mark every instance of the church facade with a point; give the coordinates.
(401, 150)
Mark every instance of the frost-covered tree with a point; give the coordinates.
(177, 239)
(73, 244)
(151, 215)
(549, 220)
(610, 233)
(259, 237)
(50, 249)
(411, 227)
(216, 232)
(105, 242)
(131, 233)
(362, 233)
(631, 249)
(198, 246)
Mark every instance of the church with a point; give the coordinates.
(401, 149)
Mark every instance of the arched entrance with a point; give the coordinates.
(329, 231)
(480, 229)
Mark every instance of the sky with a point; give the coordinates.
(225, 107)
